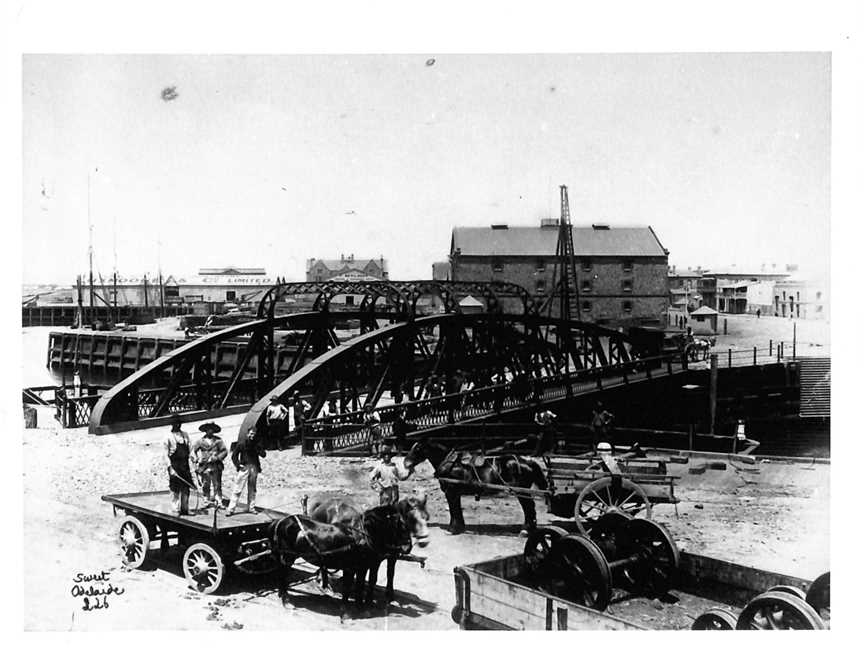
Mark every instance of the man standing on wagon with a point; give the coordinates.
(245, 455)
(177, 452)
(208, 454)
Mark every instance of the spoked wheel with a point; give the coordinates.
(715, 619)
(134, 541)
(779, 611)
(203, 568)
(539, 545)
(584, 570)
(658, 568)
(610, 495)
(819, 595)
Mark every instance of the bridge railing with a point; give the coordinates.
(75, 411)
(348, 430)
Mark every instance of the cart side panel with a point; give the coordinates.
(495, 600)
(728, 582)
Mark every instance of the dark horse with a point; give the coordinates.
(476, 471)
(379, 532)
(344, 511)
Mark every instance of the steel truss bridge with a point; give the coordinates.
(504, 359)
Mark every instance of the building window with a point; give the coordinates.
(627, 306)
(540, 287)
(586, 306)
(628, 265)
(230, 295)
(627, 285)
(541, 265)
(585, 286)
(586, 265)
(349, 300)
(497, 266)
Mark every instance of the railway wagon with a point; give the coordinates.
(709, 594)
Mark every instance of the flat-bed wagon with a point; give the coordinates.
(656, 587)
(213, 543)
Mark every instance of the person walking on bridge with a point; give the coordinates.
(245, 455)
(372, 423)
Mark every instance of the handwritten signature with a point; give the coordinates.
(94, 590)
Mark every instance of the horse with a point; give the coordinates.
(342, 510)
(379, 532)
(476, 471)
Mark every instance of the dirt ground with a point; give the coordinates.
(772, 516)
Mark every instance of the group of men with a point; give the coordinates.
(206, 458)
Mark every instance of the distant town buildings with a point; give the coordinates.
(211, 285)
(768, 291)
(347, 268)
(621, 271)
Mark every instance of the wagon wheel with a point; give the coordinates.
(584, 570)
(539, 544)
(819, 595)
(658, 568)
(134, 541)
(789, 589)
(715, 619)
(779, 611)
(203, 568)
(608, 495)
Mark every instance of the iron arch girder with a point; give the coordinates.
(362, 345)
(113, 401)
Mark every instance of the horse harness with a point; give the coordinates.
(351, 530)
(452, 457)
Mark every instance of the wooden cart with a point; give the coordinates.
(498, 595)
(586, 487)
(213, 542)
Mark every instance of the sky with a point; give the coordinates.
(266, 161)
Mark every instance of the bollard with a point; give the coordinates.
(754, 355)
(770, 347)
(730, 357)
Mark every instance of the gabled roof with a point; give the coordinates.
(543, 241)
(704, 310)
(346, 264)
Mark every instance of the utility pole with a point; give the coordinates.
(90, 247)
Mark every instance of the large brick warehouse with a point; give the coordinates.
(621, 271)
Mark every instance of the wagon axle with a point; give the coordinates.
(640, 554)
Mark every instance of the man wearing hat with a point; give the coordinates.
(386, 477)
(208, 455)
